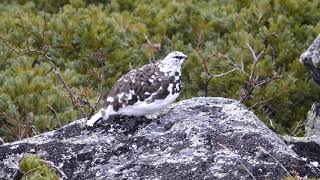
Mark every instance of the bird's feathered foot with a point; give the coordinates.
(94, 119)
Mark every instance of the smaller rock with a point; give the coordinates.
(313, 122)
(311, 59)
(1, 141)
(312, 55)
(306, 147)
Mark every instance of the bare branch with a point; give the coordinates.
(204, 61)
(34, 130)
(252, 83)
(76, 101)
(101, 59)
(44, 47)
(266, 81)
(9, 46)
(26, 35)
(199, 40)
(210, 76)
(261, 102)
(255, 59)
(152, 47)
(44, 27)
(300, 124)
(225, 73)
(55, 114)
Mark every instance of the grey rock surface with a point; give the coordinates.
(311, 59)
(200, 138)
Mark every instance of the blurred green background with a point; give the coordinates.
(128, 31)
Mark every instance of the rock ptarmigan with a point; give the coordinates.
(144, 91)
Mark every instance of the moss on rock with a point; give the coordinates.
(34, 168)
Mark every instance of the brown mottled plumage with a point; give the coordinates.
(142, 86)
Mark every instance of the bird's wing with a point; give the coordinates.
(146, 83)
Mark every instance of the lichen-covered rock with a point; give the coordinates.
(200, 138)
(311, 58)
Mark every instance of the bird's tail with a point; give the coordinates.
(96, 118)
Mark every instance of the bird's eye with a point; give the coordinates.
(178, 57)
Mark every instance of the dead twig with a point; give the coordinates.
(44, 47)
(26, 35)
(261, 102)
(152, 47)
(253, 82)
(55, 114)
(9, 46)
(266, 81)
(297, 129)
(204, 62)
(210, 76)
(222, 74)
(75, 99)
(44, 27)
(199, 40)
(101, 59)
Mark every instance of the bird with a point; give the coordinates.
(144, 91)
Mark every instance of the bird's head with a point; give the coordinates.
(175, 58)
(172, 62)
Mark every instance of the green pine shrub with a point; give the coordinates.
(34, 168)
(127, 30)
